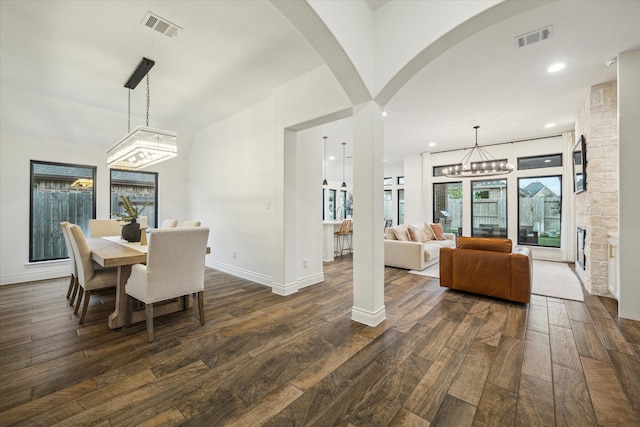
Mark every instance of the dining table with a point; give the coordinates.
(112, 251)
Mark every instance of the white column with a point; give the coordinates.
(368, 216)
(629, 202)
(284, 205)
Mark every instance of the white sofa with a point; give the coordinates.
(417, 250)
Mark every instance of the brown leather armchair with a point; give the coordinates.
(489, 267)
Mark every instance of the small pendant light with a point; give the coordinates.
(325, 184)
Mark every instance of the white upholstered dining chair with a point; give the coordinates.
(169, 223)
(189, 223)
(175, 268)
(104, 227)
(73, 283)
(89, 278)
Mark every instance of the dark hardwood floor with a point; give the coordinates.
(442, 358)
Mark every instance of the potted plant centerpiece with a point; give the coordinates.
(131, 230)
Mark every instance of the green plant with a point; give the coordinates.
(131, 213)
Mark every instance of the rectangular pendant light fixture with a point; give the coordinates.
(143, 146)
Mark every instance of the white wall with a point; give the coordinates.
(16, 152)
(629, 126)
(309, 152)
(231, 191)
(251, 186)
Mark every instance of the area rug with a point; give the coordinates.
(433, 271)
(555, 279)
(551, 279)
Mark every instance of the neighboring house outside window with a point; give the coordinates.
(539, 211)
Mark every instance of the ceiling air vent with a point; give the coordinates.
(534, 37)
(161, 25)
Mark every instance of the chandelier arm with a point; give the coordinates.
(467, 157)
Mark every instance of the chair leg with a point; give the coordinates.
(87, 297)
(71, 282)
(80, 293)
(201, 306)
(127, 320)
(74, 292)
(148, 309)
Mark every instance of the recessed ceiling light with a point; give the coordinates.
(432, 144)
(549, 125)
(556, 67)
(331, 158)
(384, 114)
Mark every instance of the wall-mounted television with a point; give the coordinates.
(580, 165)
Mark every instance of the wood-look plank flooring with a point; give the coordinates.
(442, 358)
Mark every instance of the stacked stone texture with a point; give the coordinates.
(596, 209)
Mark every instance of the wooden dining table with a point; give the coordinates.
(112, 252)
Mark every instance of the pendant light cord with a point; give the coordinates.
(148, 98)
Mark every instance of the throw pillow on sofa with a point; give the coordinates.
(418, 233)
(389, 234)
(438, 232)
(401, 233)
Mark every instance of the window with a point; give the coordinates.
(401, 180)
(59, 192)
(140, 187)
(539, 211)
(489, 208)
(388, 205)
(388, 181)
(401, 206)
(324, 208)
(332, 205)
(343, 204)
(537, 162)
(439, 170)
(447, 206)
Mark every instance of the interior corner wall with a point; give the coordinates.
(231, 175)
(238, 187)
(596, 209)
(16, 152)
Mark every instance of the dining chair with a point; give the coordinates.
(104, 227)
(189, 223)
(169, 223)
(175, 268)
(344, 235)
(73, 283)
(89, 278)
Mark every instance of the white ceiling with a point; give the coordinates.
(231, 54)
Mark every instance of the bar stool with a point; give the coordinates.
(343, 235)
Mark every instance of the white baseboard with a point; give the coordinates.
(370, 318)
(239, 272)
(33, 276)
(303, 282)
(284, 290)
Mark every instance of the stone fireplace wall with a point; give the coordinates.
(596, 209)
